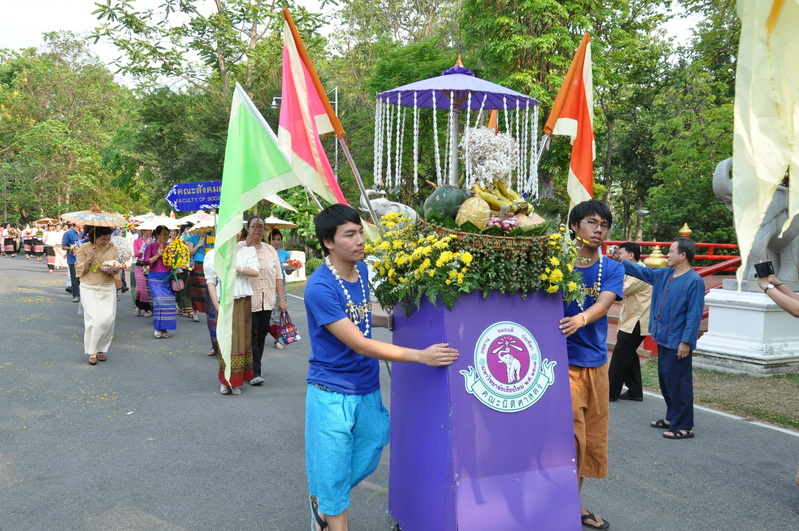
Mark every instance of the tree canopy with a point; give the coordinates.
(71, 135)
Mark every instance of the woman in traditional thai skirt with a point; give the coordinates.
(183, 296)
(26, 237)
(51, 240)
(38, 242)
(10, 235)
(60, 252)
(241, 340)
(138, 282)
(282, 255)
(162, 298)
(98, 292)
(197, 288)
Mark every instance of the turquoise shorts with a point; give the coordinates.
(344, 439)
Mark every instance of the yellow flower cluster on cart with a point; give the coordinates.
(411, 261)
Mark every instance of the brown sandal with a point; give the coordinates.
(93, 359)
(101, 356)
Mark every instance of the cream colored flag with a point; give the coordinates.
(766, 142)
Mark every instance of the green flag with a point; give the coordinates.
(254, 168)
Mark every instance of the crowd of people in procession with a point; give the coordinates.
(104, 262)
(346, 423)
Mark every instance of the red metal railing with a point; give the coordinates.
(710, 254)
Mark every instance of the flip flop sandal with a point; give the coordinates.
(660, 424)
(317, 524)
(101, 356)
(279, 345)
(93, 362)
(237, 390)
(158, 335)
(165, 335)
(212, 352)
(225, 390)
(678, 434)
(592, 516)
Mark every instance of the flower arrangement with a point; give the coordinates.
(412, 261)
(39, 233)
(12, 232)
(293, 263)
(112, 266)
(176, 255)
(492, 155)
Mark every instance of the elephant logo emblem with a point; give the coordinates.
(509, 373)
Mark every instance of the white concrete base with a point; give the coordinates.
(748, 333)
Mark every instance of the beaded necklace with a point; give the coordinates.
(352, 310)
(594, 290)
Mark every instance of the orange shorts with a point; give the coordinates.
(590, 408)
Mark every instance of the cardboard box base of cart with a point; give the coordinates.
(487, 443)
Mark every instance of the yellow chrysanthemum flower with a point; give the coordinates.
(552, 289)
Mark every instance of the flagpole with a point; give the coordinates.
(345, 148)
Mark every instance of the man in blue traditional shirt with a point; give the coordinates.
(586, 328)
(346, 425)
(678, 297)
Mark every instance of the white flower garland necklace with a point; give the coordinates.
(351, 305)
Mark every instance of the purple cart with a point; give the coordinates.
(487, 443)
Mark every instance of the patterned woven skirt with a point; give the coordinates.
(38, 247)
(50, 253)
(183, 297)
(197, 288)
(142, 295)
(241, 345)
(27, 245)
(9, 245)
(210, 317)
(163, 301)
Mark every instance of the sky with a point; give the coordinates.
(24, 21)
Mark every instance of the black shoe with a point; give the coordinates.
(68, 290)
(628, 396)
(75, 299)
(613, 399)
(125, 289)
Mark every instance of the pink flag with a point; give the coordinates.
(305, 114)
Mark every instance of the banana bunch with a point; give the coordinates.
(504, 200)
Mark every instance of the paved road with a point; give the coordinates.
(145, 440)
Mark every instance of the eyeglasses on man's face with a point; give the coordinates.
(594, 224)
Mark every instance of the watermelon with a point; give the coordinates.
(443, 203)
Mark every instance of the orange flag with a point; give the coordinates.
(306, 113)
(573, 114)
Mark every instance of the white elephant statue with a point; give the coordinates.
(781, 248)
(383, 206)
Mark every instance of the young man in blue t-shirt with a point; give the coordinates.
(586, 328)
(346, 425)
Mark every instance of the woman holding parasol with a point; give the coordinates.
(99, 281)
